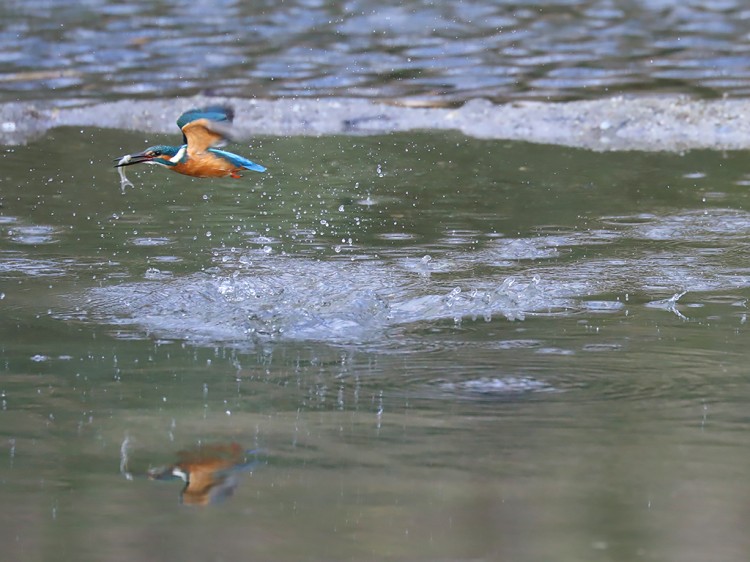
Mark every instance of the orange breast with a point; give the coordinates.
(205, 165)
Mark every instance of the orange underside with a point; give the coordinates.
(207, 167)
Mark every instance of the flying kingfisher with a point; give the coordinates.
(203, 131)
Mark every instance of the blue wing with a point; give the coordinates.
(238, 160)
(212, 113)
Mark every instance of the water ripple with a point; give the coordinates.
(498, 50)
(34, 234)
(251, 294)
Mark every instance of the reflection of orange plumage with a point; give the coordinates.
(209, 472)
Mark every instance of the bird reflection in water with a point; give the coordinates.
(210, 472)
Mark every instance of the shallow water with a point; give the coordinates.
(502, 50)
(438, 348)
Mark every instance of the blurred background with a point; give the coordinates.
(502, 50)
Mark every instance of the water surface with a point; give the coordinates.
(454, 51)
(441, 348)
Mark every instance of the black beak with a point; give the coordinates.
(130, 159)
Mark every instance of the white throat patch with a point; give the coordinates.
(180, 153)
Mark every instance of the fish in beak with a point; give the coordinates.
(130, 159)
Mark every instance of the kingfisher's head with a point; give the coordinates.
(160, 154)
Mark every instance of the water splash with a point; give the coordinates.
(278, 297)
(253, 295)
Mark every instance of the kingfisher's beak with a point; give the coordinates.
(130, 159)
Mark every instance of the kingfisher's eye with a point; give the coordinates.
(156, 153)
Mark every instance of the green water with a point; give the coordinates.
(442, 348)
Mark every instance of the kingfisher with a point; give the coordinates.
(210, 472)
(204, 130)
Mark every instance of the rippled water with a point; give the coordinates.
(502, 50)
(410, 347)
